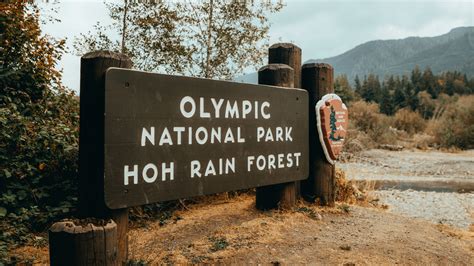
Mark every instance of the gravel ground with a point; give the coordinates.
(411, 165)
(432, 171)
(453, 209)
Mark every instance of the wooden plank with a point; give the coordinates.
(140, 107)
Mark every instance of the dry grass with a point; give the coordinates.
(409, 121)
(352, 192)
(368, 127)
(455, 127)
(452, 127)
(30, 255)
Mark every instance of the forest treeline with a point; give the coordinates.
(421, 91)
(422, 110)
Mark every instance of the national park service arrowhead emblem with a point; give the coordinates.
(332, 120)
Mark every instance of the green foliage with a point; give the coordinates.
(419, 91)
(218, 243)
(212, 39)
(387, 105)
(38, 128)
(309, 212)
(149, 35)
(225, 37)
(343, 89)
(371, 89)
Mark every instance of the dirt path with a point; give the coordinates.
(232, 231)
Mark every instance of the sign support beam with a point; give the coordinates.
(91, 146)
(318, 80)
(279, 195)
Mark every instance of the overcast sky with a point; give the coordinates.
(321, 28)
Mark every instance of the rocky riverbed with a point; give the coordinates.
(431, 185)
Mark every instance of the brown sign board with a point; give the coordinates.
(170, 137)
(332, 122)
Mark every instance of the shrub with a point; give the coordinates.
(367, 118)
(426, 104)
(455, 127)
(39, 122)
(409, 121)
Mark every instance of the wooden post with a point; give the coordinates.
(318, 80)
(279, 195)
(91, 143)
(288, 54)
(71, 244)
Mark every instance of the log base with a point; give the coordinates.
(85, 244)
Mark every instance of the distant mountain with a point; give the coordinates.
(450, 51)
(248, 78)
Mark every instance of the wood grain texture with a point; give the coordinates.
(318, 80)
(279, 195)
(138, 100)
(288, 54)
(71, 244)
(91, 144)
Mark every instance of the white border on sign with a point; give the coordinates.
(327, 97)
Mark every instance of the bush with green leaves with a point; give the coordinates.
(39, 121)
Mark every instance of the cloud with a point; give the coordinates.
(321, 28)
(328, 28)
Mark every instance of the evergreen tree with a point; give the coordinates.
(390, 83)
(419, 91)
(344, 89)
(429, 83)
(371, 89)
(411, 96)
(387, 105)
(416, 79)
(399, 98)
(358, 86)
(449, 85)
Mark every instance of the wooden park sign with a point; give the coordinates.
(332, 121)
(169, 137)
